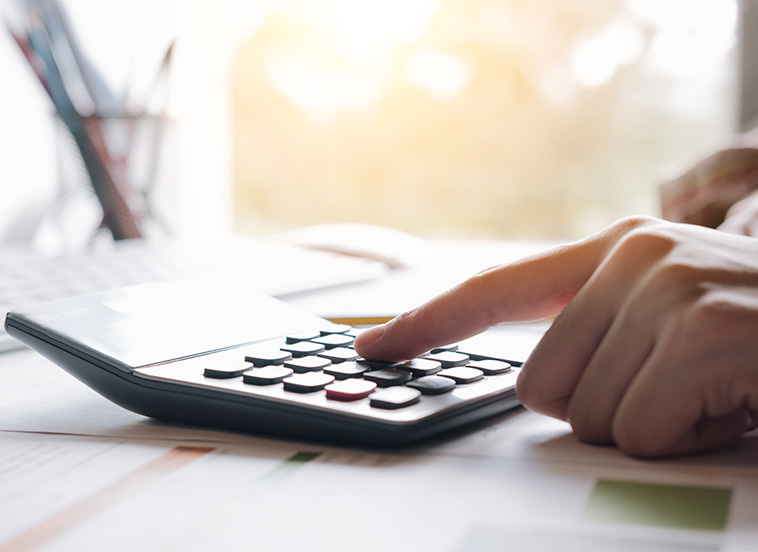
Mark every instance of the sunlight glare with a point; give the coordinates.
(443, 74)
(338, 57)
(690, 36)
(321, 92)
(596, 59)
(557, 85)
(367, 31)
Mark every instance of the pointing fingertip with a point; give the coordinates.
(369, 337)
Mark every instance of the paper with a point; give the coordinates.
(573, 538)
(104, 494)
(64, 492)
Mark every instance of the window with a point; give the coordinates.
(475, 118)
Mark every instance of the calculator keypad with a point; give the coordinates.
(267, 356)
(307, 364)
(307, 383)
(330, 341)
(339, 354)
(388, 377)
(350, 390)
(395, 397)
(491, 367)
(303, 348)
(462, 374)
(267, 375)
(421, 367)
(449, 359)
(433, 385)
(227, 369)
(345, 370)
(320, 369)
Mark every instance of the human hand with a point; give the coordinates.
(742, 217)
(706, 192)
(655, 346)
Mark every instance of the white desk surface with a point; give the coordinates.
(79, 473)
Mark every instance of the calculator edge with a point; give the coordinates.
(162, 401)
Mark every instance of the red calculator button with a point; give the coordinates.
(350, 390)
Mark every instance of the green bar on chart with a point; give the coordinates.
(672, 506)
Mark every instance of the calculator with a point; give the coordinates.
(221, 354)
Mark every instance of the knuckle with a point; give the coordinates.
(644, 243)
(710, 315)
(633, 222)
(705, 311)
(713, 326)
(679, 276)
(638, 440)
(588, 425)
(634, 436)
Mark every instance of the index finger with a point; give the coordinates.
(530, 289)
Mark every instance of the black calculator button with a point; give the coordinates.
(421, 367)
(394, 397)
(345, 370)
(462, 374)
(303, 348)
(476, 356)
(268, 375)
(336, 329)
(491, 367)
(446, 348)
(307, 364)
(339, 354)
(433, 385)
(225, 370)
(448, 359)
(388, 377)
(303, 336)
(307, 383)
(331, 341)
(378, 364)
(350, 390)
(265, 357)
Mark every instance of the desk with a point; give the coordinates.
(79, 473)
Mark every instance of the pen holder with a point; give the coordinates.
(113, 171)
